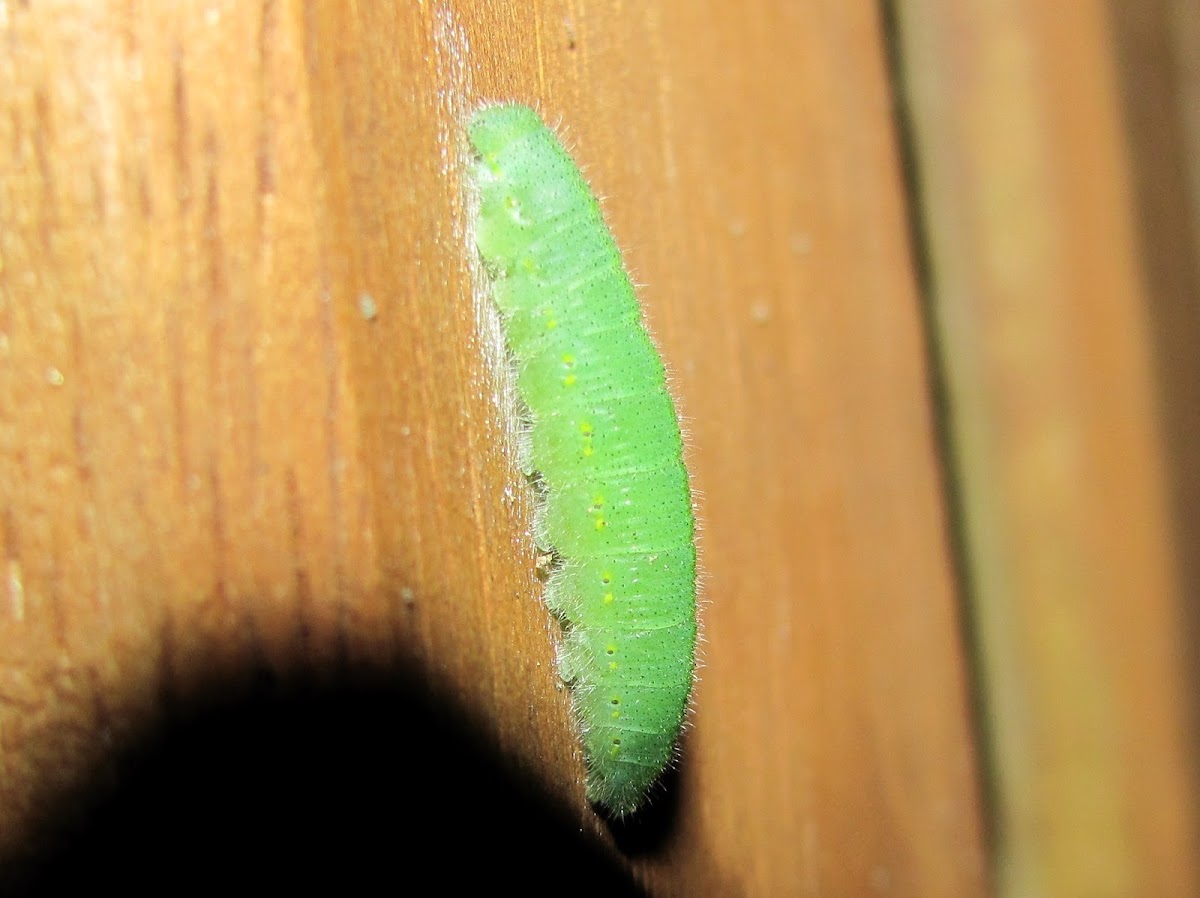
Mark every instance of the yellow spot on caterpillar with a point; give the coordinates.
(606, 577)
(610, 649)
(609, 598)
(569, 362)
(616, 715)
(595, 509)
(612, 665)
(616, 748)
(551, 324)
(586, 429)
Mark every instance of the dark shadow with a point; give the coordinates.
(648, 831)
(360, 786)
(653, 834)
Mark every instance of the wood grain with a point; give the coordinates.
(214, 463)
(1045, 321)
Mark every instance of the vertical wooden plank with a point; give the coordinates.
(1043, 318)
(1157, 57)
(750, 163)
(831, 750)
(256, 412)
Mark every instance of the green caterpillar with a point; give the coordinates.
(604, 442)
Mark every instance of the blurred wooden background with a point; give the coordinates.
(926, 274)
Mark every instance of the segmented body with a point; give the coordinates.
(605, 442)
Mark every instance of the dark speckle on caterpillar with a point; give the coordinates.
(604, 441)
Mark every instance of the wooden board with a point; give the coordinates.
(252, 432)
(1046, 323)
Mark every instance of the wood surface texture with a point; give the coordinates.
(1043, 313)
(255, 429)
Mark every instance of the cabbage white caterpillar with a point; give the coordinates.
(604, 442)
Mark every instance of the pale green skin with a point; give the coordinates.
(605, 441)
